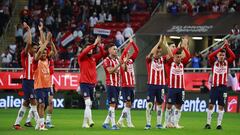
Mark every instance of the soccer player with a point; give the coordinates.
(51, 55)
(156, 82)
(172, 49)
(128, 83)
(27, 55)
(42, 82)
(176, 84)
(88, 79)
(218, 92)
(111, 65)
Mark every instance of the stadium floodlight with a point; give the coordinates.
(218, 39)
(197, 38)
(175, 37)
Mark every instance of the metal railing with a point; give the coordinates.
(216, 44)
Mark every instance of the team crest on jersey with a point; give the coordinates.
(128, 98)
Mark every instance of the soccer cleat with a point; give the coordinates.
(121, 124)
(179, 127)
(159, 126)
(106, 126)
(147, 127)
(219, 127)
(85, 126)
(37, 126)
(207, 126)
(91, 124)
(17, 127)
(28, 124)
(42, 128)
(130, 126)
(49, 125)
(114, 127)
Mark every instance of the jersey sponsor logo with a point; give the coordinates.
(232, 104)
(177, 71)
(157, 66)
(220, 70)
(13, 102)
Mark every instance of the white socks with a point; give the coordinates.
(177, 116)
(159, 114)
(168, 114)
(30, 116)
(112, 115)
(49, 118)
(87, 112)
(209, 116)
(220, 117)
(123, 115)
(35, 113)
(21, 113)
(148, 112)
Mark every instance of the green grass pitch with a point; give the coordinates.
(69, 122)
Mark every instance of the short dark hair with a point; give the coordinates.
(223, 51)
(109, 46)
(179, 51)
(35, 43)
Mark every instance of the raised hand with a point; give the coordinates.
(40, 27)
(25, 25)
(97, 40)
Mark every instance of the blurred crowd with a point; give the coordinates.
(5, 13)
(194, 7)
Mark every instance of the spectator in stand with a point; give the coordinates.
(25, 15)
(215, 7)
(174, 8)
(119, 39)
(49, 22)
(102, 17)
(196, 61)
(93, 20)
(125, 9)
(203, 88)
(6, 58)
(74, 63)
(127, 32)
(19, 34)
(108, 17)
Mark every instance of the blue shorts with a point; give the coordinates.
(28, 89)
(87, 90)
(42, 95)
(175, 96)
(218, 94)
(127, 94)
(113, 94)
(155, 91)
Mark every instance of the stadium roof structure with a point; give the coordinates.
(199, 25)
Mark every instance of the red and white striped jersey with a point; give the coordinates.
(156, 72)
(114, 78)
(176, 78)
(26, 61)
(128, 77)
(219, 73)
